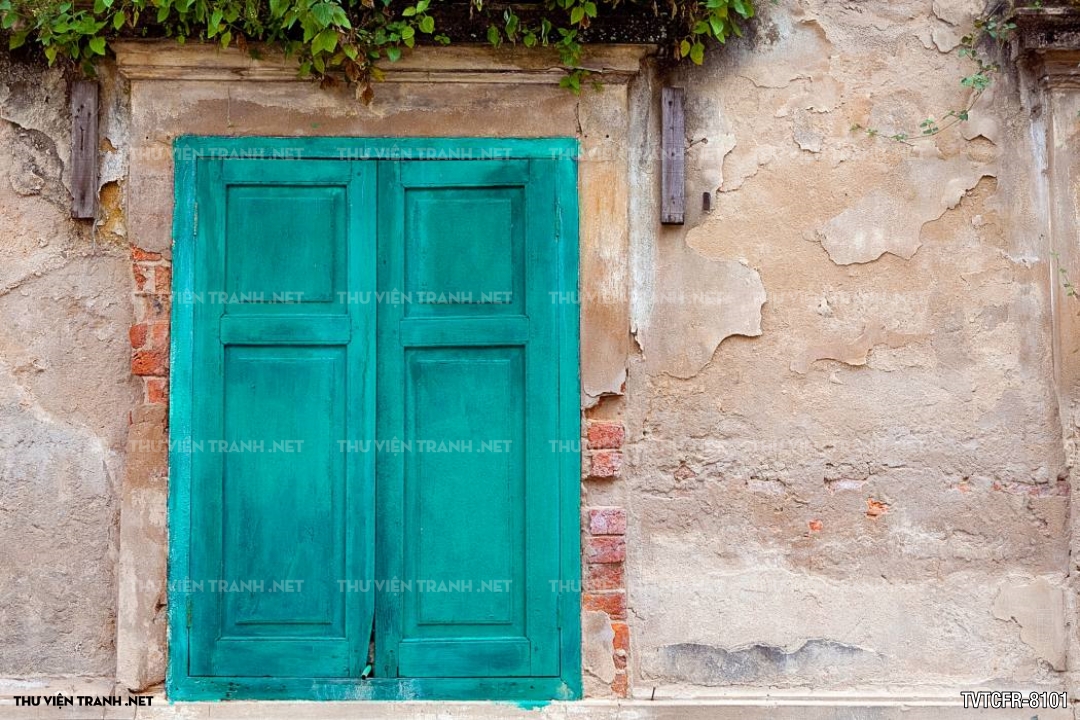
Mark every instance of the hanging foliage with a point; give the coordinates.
(351, 38)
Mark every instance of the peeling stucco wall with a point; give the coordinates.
(65, 391)
(844, 465)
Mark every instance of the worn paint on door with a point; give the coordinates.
(377, 378)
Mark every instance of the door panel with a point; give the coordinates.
(282, 490)
(465, 407)
(476, 267)
(468, 510)
(301, 261)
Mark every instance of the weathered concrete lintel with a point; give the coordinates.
(168, 60)
(1052, 36)
(1058, 68)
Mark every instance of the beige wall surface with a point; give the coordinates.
(65, 391)
(844, 467)
(866, 481)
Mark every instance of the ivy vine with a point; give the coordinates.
(351, 39)
(989, 32)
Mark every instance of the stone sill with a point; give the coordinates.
(731, 705)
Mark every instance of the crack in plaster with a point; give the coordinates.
(709, 300)
(889, 219)
(1038, 608)
(853, 352)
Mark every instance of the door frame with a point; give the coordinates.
(187, 152)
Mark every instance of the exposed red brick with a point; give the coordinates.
(150, 362)
(159, 336)
(683, 472)
(622, 636)
(137, 335)
(157, 391)
(875, 508)
(152, 308)
(163, 278)
(139, 254)
(604, 576)
(607, 521)
(612, 603)
(605, 435)
(816, 525)
(605, 464)
(605, 549)
(621, 685)
(141, 279)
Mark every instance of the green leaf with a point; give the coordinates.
(743, 7)
(697, 53)
(493, 35)
(323, 14)
(18, 39)
(427, 24)
(408, 12)
(119, 19)
(572, 82)
(226, 38)
(339, 18)
(214, 26)
(325, 41)
(393, 53)
(576, 15)
(684, 48)
(590, 9)
(97, 45)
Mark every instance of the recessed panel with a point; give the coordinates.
(283, 524)
(464, 251)
(285, 245)
(464, 491)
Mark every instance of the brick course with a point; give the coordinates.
(149, 335)
(604, 545)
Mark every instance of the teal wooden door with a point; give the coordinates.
(468, 392)
(283, 366)
(375, 399)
